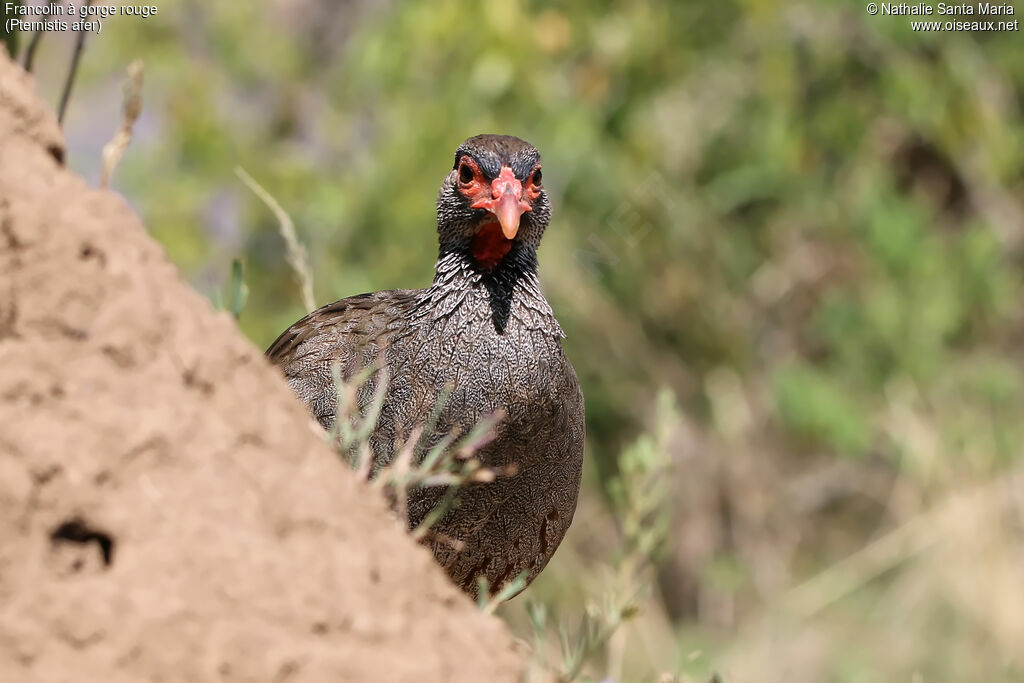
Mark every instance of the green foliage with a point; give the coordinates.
(812, 405)
(238, 291)
(685, 169)
(640, 491)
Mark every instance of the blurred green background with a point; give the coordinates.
(805, 222)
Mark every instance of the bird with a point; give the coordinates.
(482, 339)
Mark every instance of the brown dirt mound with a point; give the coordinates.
(167, 510)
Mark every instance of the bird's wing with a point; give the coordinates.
(350, 333)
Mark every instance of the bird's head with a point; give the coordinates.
(493, 198)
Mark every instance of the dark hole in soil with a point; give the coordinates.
(78, 531)
(57, 152)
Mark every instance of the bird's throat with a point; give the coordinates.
(489, 245)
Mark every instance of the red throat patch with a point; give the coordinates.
(489, 245)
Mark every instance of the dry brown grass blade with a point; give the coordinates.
(938, 551)
(896, 547)
(132, 109)
(296, 253)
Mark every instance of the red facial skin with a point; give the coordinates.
(507, 199)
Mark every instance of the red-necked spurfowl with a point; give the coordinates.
(484, 329)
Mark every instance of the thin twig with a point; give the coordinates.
(296, 254)
(400, 468)
(30, 51)
(114, 150)
(76, 56)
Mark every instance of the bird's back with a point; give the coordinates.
(349, 334)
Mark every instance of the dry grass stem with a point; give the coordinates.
(295, 252)
(69, 82)
(132, 108)
(30, 52)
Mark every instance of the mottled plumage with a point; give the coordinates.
(485, 329)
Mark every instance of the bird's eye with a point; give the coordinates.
(536, 177)
(465, 174)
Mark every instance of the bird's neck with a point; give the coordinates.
(508, 294)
